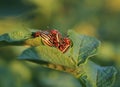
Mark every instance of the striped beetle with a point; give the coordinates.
(53, 38)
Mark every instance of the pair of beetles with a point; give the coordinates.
(53, 38)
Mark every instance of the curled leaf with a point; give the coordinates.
(98, 76)
(52, 58)
(49, 55)
(83, 47)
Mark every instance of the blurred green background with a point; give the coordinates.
(98, 18)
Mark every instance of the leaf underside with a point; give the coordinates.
(98, 76)
(83, 46)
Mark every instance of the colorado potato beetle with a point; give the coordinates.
(53, 38)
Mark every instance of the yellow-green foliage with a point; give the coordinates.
(34, 41)
(19, 35)
(53, 55)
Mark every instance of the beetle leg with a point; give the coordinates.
(57, 37)
(65, 44)
(66, 48)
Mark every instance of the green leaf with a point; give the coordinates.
(20, 35)
(47, 54)
(117, 81)
(106, 76)
(83, 47)
(14, 38)
(98, 76)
